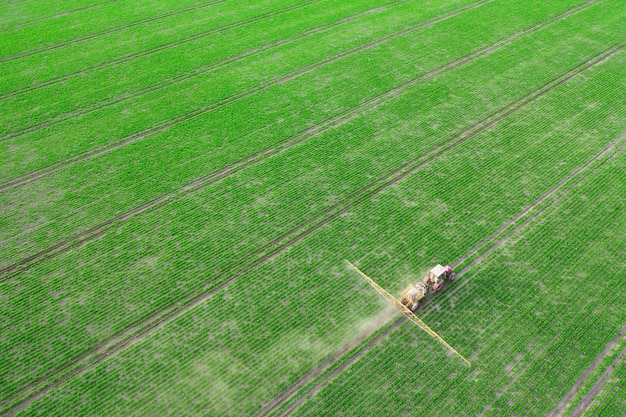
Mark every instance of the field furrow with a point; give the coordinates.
(188, 160)
(590, 116)
(194, 72)
(34, 37)
(181, 184)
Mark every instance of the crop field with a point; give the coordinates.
(181, 182)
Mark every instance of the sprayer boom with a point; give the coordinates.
(408, 313)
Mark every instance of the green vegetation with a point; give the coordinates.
(181, 182)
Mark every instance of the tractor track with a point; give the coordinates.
(301, 383)
(615, 146)
(152, 51)
(187, 75)
(56, 16)
(535, 357)
(162, 317)
(309, 377)
(588, 400)
(13, 3)
(106, 32)
(260, 156)
(561, 407)
(166, 124)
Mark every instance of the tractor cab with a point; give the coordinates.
(438, 275)
(433, 281)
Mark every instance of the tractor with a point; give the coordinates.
(433, 282)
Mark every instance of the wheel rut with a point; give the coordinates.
(616, 146)
(561, 407)
(334, 122)
(196, 72)
(167, 124)
(106, 31)
(588, 400)
(152, 51)
(56, 16)
(162, 317)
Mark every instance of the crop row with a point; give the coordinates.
(20, 12)
(189, 223)
(212, 91)
(447, 184)
(553, 308)
(71, 60)
(611, 401)
(84, 94)
(90, 23)
(143, 171)
(590, 382)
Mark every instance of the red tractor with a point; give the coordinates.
(433, 282)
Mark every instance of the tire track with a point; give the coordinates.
(313, 132)
(13, 3)
(162, 317)
(167, 124)
(106, 32)
(575, 318)
(56, 16)
(135, 56)
(534, 359)
(206, 69)
(616, 146)
(561, 407)
(587, 401)
(310, 377)
(301, 383)
(160, 127)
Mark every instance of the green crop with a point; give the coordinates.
(180, 183)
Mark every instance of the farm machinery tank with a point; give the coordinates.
(407, 304)
(432, 282)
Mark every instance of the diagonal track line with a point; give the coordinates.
(588, 400)
(106, 31)
(162, 317)
(261, 156)
(561, 407)
(196, 72)
(167, 124)
(56, 16)
(616, 146)
(152, 51)
(534, 358)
